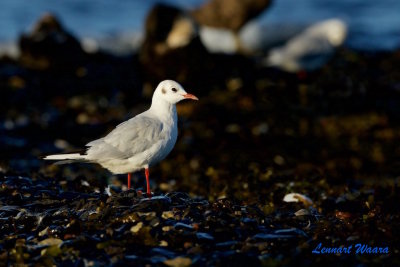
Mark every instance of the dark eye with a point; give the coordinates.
(174, 90)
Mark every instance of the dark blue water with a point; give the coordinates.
(373, 24)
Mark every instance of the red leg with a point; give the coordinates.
(146, 172)
(129, 180)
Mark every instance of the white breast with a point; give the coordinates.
(166, 147)
(170, 131)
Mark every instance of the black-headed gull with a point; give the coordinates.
(140, 142)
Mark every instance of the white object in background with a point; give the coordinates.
(311, 48)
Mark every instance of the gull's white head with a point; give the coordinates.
(172, 92)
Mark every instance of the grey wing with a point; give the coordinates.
(127, 139)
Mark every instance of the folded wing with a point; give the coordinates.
(130, 138)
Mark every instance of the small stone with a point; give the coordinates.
(302, 212)
(178, 262)
(296, 197)
(137, 227)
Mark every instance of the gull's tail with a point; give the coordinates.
(66, 158)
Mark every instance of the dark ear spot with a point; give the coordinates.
(163, 91)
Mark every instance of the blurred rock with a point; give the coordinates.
(49, 45)
(171, 46)
(172, 49)
(229, 14)
(221, 23)
(9, 49)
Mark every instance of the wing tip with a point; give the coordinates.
(64, 156)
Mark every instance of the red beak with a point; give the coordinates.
(190, 96)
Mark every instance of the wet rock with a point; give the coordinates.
(178, 262)
(302, 212)
(227, 244)
(157, 204)
(291, 231)
(204, 237)
(280, 234)
(183, 226)
(163, 252)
